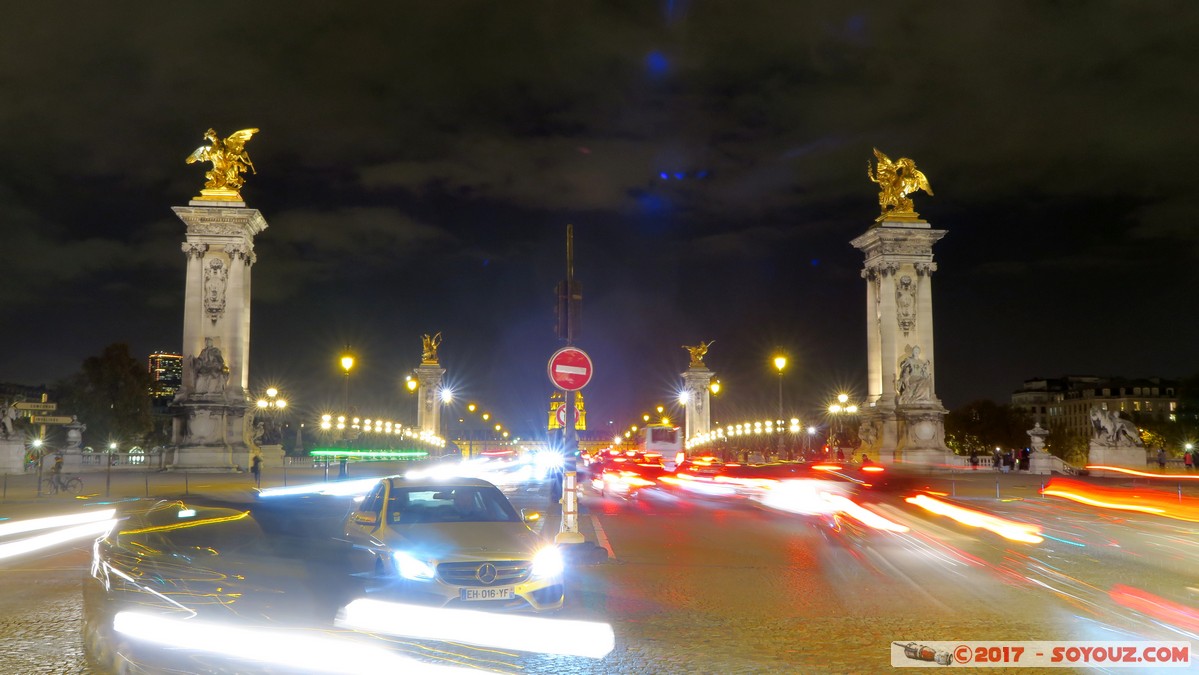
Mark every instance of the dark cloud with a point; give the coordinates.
(419, 161)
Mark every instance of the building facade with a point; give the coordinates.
(1065, 403)
(166, 376)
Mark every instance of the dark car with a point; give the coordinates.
(251, 565)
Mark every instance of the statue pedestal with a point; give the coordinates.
(12, 455)
(920, 435)
(1126, 456)
(208, 436)
(1042, 462)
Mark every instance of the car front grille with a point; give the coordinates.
(474, 573)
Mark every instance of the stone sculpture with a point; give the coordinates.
(915, 378)
(1113, 430)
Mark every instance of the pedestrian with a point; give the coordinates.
(840, 455)
(997, 460)
(1025, 459)
(1188, 459)
(256, 469)
(56, 474)
(973, 459)
(1161, 459)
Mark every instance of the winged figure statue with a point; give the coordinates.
(229, 161)
(698, 352)
(896, 180)
(429, 345)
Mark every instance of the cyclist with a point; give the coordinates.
(56, 475)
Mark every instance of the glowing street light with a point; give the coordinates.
(347, 362)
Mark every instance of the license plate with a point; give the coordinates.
(498, 593)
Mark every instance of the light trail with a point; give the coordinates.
(486, 629)
(42, 541)
(1007, 529)
(301, 650)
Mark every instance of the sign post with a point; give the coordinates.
(570, 370)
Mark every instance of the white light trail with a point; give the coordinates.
(499, 631)
(19, 526)
(301, 650)
(49, 539)
(341, 488)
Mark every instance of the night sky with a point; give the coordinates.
(419, 162)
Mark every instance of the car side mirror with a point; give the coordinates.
(530, 516)
(366, 518)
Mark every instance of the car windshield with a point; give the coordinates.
(449, 504)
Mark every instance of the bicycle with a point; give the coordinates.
(72, 485)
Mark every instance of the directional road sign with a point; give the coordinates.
(30, 405)
(50, 419)
(570, 368)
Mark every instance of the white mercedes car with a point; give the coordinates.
(454, 542)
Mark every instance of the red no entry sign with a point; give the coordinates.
(570, 368)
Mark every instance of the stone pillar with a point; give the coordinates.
(698, 415)
(428, 410)
(908, 426)
(211, 405)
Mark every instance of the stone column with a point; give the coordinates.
(211, 406)
(698, 415)
(898, 267)
(428, 411)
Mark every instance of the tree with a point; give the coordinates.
(111, 396)
(984, 424)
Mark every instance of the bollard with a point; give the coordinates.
(5, 486)
(147, 477)
(284, 475)
(108, 480)
(186, 489)
(953, 488)
(1180, 493)
(997, 488)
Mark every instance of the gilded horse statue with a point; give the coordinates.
(229, 161)
(896, 180)
(429, 345)
(698, 352)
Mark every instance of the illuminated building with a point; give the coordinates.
(166, 376)
(1065, 403)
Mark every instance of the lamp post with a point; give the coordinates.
(780, 362)
(272, 404)
(841, 407)
(347, 362)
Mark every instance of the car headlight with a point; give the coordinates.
(548, 562)
(411, 568)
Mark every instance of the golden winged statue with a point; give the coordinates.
(698, 352)
(429, 347)
(896, 180)
(229, 161)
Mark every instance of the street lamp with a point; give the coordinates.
(780, 362)
(841, 407)
(347, 362)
